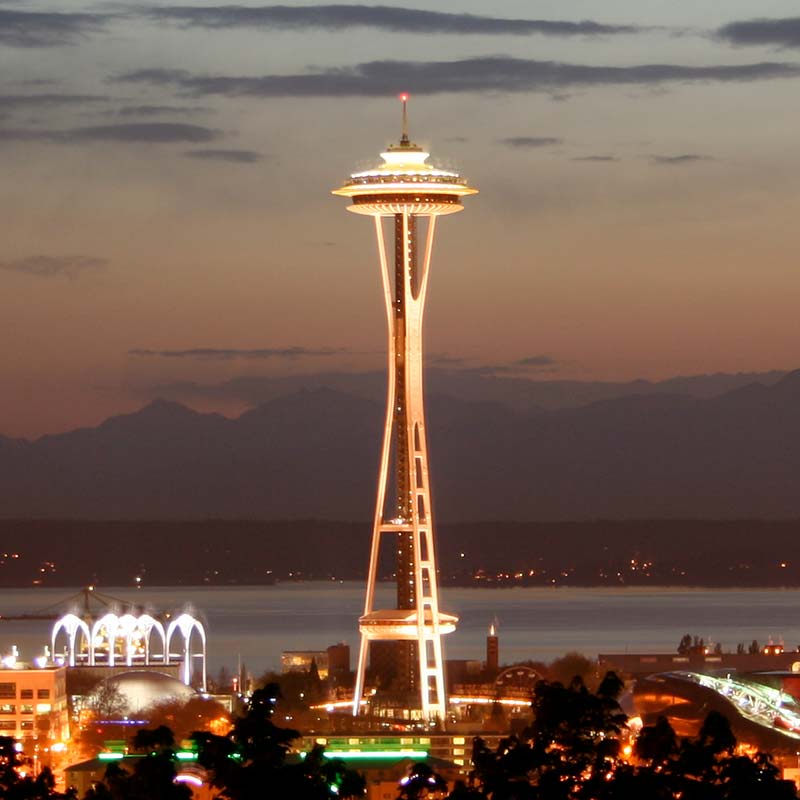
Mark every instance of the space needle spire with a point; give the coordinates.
(406, 194)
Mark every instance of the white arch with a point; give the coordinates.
(71, 624)
(110, 622)
(127, 628)
(186, 624)
(147, 625)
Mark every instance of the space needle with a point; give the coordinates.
(406, 195)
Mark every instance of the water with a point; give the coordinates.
(257, 623)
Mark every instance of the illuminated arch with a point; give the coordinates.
(128, 630)
(517, 680)
(147, 625)
(130, 639)
(187, 624)
(104, 634)
(71, 625)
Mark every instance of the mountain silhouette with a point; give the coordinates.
(314, 454)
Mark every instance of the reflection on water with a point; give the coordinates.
(257, 623)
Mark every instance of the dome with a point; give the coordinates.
(142, 688)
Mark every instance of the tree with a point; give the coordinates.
(572, 752)
(15, 786)
(250, 762)
(421, 782)
(152, 778)
(657, 744)
(154, 740)
(184, 717)
(685, 645)
(569, 666)
(706, 766)
(108, 702)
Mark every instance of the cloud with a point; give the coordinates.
(232, 156)
(395, 20)
(595, 158)
(444, 360)
(487, 369)
(685, 158)
(46, 29)
(55, 266)
(783, 32)
(484, 74)
(148, 132)
(154, 111)
(530, 141)
(521, 368)
(536, 361)
(228, 354)
(25, 102)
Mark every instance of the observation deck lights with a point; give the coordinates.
(405, 182)
(401, 624)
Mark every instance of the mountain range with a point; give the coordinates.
(313, 453)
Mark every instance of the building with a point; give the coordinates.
(332, 662)
(357, 750)
(635, 665)
(33, 707)
(409, 194)
(84, 775)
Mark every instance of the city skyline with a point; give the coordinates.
(165, 217)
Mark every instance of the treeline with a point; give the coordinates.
(578, 747)
(219, 552)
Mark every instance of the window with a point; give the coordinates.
(26, 725)
(8, 708)
(26, 694)
(8, 725)
(26, 708)
(43, 694)
(8, 690)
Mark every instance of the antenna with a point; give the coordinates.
(404, 138)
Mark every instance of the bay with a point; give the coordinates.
(257, 623)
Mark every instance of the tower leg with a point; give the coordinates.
(358, 690)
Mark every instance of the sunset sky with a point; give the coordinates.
(166, 216)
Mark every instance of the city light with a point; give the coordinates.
(363, 755)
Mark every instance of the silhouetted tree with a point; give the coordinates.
(421, 782)
(108, 702)
(250, 763)
(572, 752)
(570, 665)
(151, 777)
(183, 717)
(13, 786)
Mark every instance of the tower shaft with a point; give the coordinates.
(404, 473)
(405, 653)
(405, 560)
